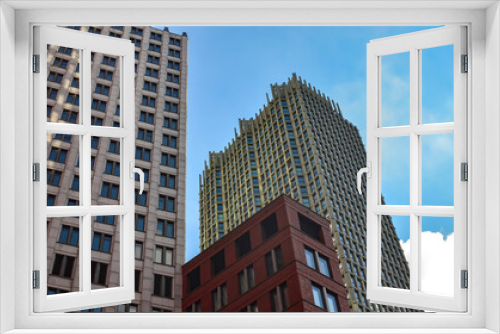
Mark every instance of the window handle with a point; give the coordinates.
(368, 171)
(139, 171)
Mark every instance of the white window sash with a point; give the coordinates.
(412, 43)
(86, 297)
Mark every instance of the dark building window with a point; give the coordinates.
(251, 308)
(136, 31)
(69, 235)
(112, 168)
(101, 89)
(55, 77)
(110, 190)
(139, 246)
(154, 47)
(166, 203)
(167, 181)
(195, 307)
(162, 286)
(109, 220)
(51, 199)
(193, 279)
(139, 222)
(63, 266)
(99, 105)
(246, 279)
(69, 116)
(143, 153)
(274, 261)
(146, 135)
(114, 147)
(109, 61)
(51, 93)
(310, 228)
(279, 298)
(141, 199)
(64, 138)
(269, 226)
(108, 75)
(53, 177)
(218, 262)
(137, 281)
(75, 185)
(169, 160)
(58, 155)
(147, 117)
(101, 242)
(99, 272)
(219, 297)
(243, 245)
(165, 228)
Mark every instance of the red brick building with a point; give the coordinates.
(280, 259)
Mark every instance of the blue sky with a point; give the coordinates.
(231, 68)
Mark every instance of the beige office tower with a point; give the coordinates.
(299, 144)
(160, 110)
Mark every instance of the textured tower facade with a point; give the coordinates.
(299, 144)
(160, 108)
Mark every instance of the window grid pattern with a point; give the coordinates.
(105, 112)
(287, 149)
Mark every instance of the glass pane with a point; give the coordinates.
(63, 182)
(107, 171)
(395, 89)
(105, 266)
(437, 84)
(63, 89)
(395, 170)
(63, 240)
(395, 263)
(437, 169)
(106, 89)
(437, 255)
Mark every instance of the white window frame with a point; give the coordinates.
(86, 297)
(413, 43)
(483, 20)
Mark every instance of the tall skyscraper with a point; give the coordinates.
(299, 144)
(160, 108)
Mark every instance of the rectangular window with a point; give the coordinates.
(101, 89)
(279, 298)
(243, 245)
(53, 177)
(167, 181)
(99, 105)
(109, 220)
(154, 47)
(151, 86)
(310, 228)
(155, 36)
(114, 147)
(73, 99)
(140, 222)
(145, 135)
(99, 272)
(142, 153)
(166, 203)
(106, 60)
(195, 307)
(164, 255)
(219, 297)
(139, 246)
(193, 279)
(163, 286)
(101, 242)
(104, 74)
(174, 41)
(141, 199)
(246, 279)
(324, 299)
(269, 226)
(151, 72)
(112, 168)
(218, 262)
(147, 117)
(317, 261)
(153, 60)
(137, 281)
(148, 101)
(274, 261)
(69, 235)
(110, 190)
(136, 31)
(62, 265)
(165, 228)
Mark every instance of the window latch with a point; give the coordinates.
(465, 64)
(368, 171)
(139, 171)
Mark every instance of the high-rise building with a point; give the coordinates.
(300, 144)
(160, 108)
(280, 260)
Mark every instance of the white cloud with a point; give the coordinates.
(436, 262)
